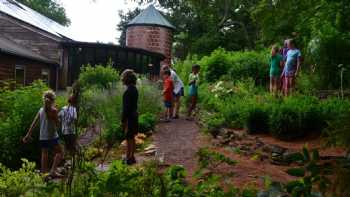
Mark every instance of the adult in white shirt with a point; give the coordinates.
(177, 93)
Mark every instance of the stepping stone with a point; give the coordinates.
(150, 147)
(150, 152)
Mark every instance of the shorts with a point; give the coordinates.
(49, 143)
(132, 128)
(275, 73)
(290, 73)
(180, 93)
(168, 104)
(70, 141)
(193, 91)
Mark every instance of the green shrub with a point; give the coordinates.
(99, 75)
(215, 65)
(147, 122)
(236, 66)
(214, 124)
(23, 182)
(285, 123)
(297, 116)
(257, 121)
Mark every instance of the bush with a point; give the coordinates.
(24, 182)
(100, 76)
(147, 122)
(297, 116)
(236, 66)
(257, 121)
(214, 124)
(285, 123)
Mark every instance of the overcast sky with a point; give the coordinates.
(96, 20)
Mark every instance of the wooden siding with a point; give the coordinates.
(30, 37)
(33, 69)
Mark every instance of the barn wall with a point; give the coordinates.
(31, 38)
(32, 69)
(156, 39)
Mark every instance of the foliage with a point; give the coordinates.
(296, 116)
(17, 110)
(49, 8)
(257, 121)
(321, 31)
(99, 75)
(147, 122)
(208, 159)
(214, 123)
(23, 182)
(236, 66)
(338, 131)
(313, 177)
(225, 23)
(125, 18)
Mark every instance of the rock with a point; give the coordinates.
(278, 149)
(266, 149)
(151, 152)
(150, 147)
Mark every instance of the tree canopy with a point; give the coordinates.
(125, 18)
(49, 8)
(215, 23)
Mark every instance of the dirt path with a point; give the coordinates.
(179, 141)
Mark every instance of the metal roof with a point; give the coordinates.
(151, 16)
(26, 14)
(9, 47)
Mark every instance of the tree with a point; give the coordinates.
(48, 8)
(125, 18)
(213, 24)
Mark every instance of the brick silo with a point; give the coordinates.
(151, 31)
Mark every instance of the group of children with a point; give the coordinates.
(49, 120)
(173, 90)
(284, 67)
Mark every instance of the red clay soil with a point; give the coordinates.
(181, 139)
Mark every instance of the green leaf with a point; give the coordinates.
(306, 154)
(295, 157)
(297, 172)
(293, 185)
(315, 155)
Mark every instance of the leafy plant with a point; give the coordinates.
(25, 181)
(257, 121)
(147, 122)
(99, 75)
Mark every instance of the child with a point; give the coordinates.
(130, 114)
(168, 88)
(178, 91)
(68, 118)
(276, 62)
(291, 68)
(48, 134)
(193, 92)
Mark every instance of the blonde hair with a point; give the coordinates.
(275, 47)
(49, 94)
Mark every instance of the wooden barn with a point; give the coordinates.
(33, 46)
